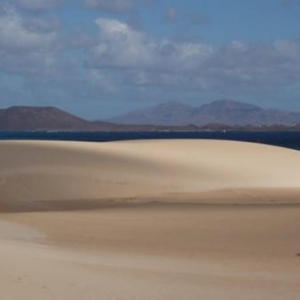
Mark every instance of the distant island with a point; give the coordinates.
(222, 115)
(224, 112)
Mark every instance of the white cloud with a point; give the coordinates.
(122, 62)
(114, 36)
(15, 36)
(193, 65)
(259, 64)
(121, 46)
(29, 47)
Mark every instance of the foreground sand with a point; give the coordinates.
(149, 220)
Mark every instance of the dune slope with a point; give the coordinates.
(134, 220)
(33, 172)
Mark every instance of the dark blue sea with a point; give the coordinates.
(283, 139)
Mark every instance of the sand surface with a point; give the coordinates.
(149, 220)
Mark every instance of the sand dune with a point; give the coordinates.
(149, 220)
(64, 171)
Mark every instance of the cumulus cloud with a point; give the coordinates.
(192, 64)
(119, 58)
(37, 5)
(115, 35)
(259, 64)
(17, 35)
(36, 66)
(121, 46)
(28, 47)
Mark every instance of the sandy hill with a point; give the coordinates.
(163, 220)
(36, 171)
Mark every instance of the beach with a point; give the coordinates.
(156, 219)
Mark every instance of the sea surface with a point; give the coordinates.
(283, 139)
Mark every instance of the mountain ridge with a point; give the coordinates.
(35, 118)
(225, 111)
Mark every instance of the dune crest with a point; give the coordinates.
(126, 220)
(37, 171)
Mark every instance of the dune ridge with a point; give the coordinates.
(32, 172)
(149, 220)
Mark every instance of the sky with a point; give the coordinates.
(101, 58)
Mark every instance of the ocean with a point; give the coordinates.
(283, 139)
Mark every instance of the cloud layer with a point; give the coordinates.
(44, 61)
(27, 47)
(262, 65)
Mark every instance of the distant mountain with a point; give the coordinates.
(210, 117)
(26, 118)
(39, 118)
(227, 112)
(169, 113)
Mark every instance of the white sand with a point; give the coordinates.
(76, 223)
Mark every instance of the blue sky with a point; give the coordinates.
(99, 58)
